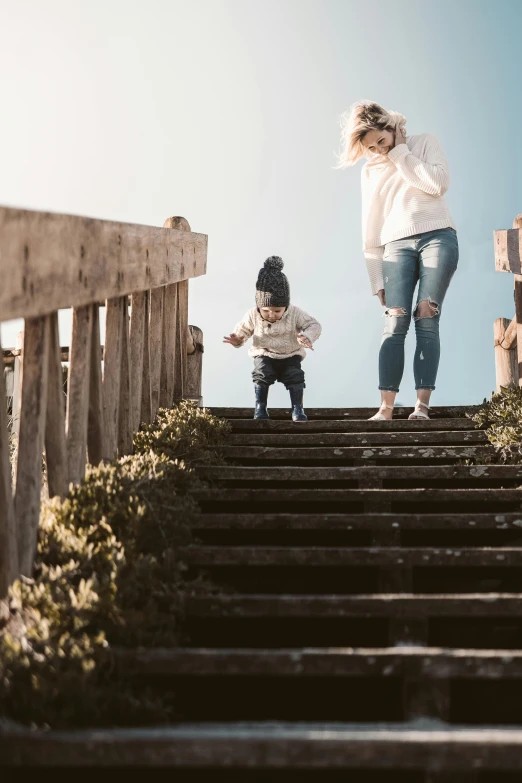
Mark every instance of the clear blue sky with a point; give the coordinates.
(226, 112)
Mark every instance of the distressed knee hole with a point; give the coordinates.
(427, 308)
(396, 312)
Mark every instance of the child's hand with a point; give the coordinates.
(304, 341)
(232, 339)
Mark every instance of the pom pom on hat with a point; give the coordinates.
(274, 262)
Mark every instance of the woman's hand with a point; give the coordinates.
(303, 340)
(382, 297)
(232, 339)
(400, 136)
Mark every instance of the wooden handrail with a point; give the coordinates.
(508, 334)
(59, 261)
(50, 262)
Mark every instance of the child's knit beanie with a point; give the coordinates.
(272, 288)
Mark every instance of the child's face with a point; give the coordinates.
(272, 313)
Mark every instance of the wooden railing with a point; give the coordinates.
(508, 333)
(50, 262)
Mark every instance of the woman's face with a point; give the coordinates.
(379, 142)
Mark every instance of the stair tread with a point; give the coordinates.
(421, 744)
(382, 521)
(353, 556)
(432, 662)
(285, 473)
(415, 451)
(355, 425)
(303, 437)
(368, 605)
(437, 411)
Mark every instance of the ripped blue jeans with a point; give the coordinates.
(429, 259)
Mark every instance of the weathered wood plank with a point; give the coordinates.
(136, 342)
(17, 385)
(8, 542)
(181, 342)
(95, 426)
(506, 363)
(168, 350)
(303, 438)
(35, 371)
(377, 605)
(55, 440)
(58, 261)
(125, 432)
(507, 250)
(426, 454)
(340, 425)
(270, 746)
(417, 473)
(264, 497)
(78, 392)
(112, 375)
(194, 365)
(157, 300)
(383, 522)
(430, 663)
(363, 557)
(146, 394)
(437, 412)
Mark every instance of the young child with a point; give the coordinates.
(281, 333)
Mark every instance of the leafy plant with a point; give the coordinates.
(107, 574)
(501, 419)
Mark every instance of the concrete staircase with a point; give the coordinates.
(370, 619)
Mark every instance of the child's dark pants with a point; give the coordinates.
(287, 371)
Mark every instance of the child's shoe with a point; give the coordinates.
(260, 411)
(296, 397)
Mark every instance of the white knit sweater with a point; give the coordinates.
(402, 195)
(277, 340)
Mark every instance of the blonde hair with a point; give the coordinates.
(355, 124)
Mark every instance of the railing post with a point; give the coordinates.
(17, 384)
(506, 364)
(8, 543)
(517, 223)
(194, 365)
(179, 357)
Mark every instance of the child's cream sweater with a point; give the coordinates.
(278, 340)
(402, 195)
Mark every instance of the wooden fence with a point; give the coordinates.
(50, 262)
(508, 333)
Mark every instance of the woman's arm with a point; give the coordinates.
(374, 266)
(430, 175)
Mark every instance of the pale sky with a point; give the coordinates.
(227, 112)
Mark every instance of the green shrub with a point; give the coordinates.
(501, 419)
(185, 432)
(107, 574)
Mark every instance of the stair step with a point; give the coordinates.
(387, 521)
(303, 437)
(356, 425)
(409, 454)
(261, 498)
(437, 412)
(335, 557)
(375, 605)
(421, 745)
(364, 474)
(431, 663)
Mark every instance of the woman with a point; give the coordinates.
(408, 237)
